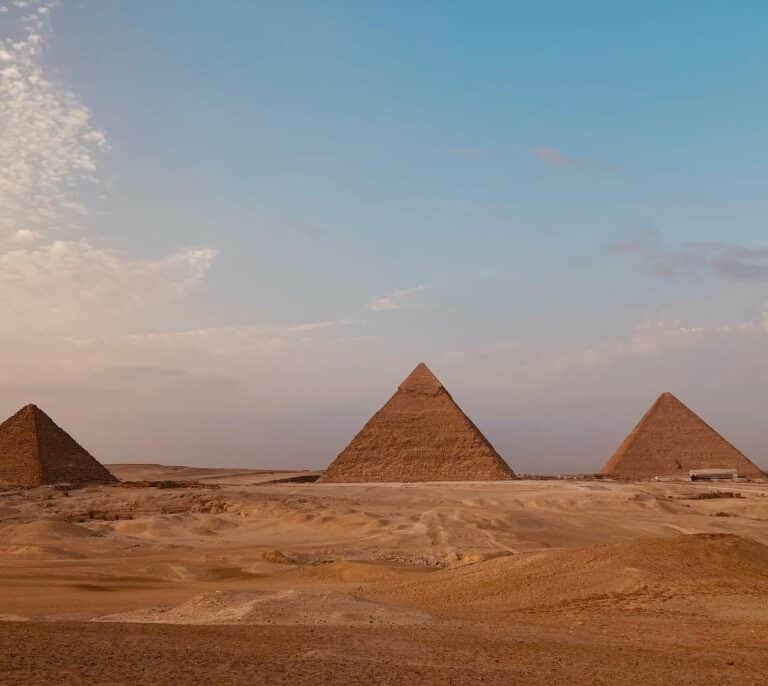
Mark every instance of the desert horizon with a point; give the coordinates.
(419, 434)
(401, 547)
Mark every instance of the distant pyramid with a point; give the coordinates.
(672, 440)
(35, 451)
(421, 434)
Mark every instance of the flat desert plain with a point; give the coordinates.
(240, 577)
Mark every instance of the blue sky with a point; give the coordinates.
(286, 206)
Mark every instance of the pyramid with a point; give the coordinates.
(35, 451)
(421, 434)
(672, 440)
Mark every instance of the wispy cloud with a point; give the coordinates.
(142, 373)
(307, 229)
(48, 143)
(70, 303)
(651, 339)
(26, 236)
(692, 258)
(215, 347)
(387, 303)
(310, 326)
(64, 284)
(657, 337)
(470, 152)
(67, 298)
(555, 158)
(55, 276)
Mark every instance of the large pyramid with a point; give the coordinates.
(35, 451)
(421, 434)
(671, 440)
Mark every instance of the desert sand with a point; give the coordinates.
(183, 574)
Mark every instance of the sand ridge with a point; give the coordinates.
(284, 608)
(641, 574)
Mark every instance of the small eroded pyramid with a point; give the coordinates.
(671, 440)
(421, 434)
(35, 451)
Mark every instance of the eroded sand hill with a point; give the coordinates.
(285, 607)
(646, 573)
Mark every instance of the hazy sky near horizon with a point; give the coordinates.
(228, 230)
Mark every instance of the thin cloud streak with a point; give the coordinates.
(555, 158)
(648, 340)
(693, 259)
(391, 302)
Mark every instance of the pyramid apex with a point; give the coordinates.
(421, 380)
(29, 410)
(32, 410)
(668, 399)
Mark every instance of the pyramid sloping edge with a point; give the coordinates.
(671, 440)
(420, 434)
(35, 451)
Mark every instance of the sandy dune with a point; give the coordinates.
(546, 567)
(286, 607)
(643, 574)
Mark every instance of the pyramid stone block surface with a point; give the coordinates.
(35, 451)
(671, 440)
(420, 434)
